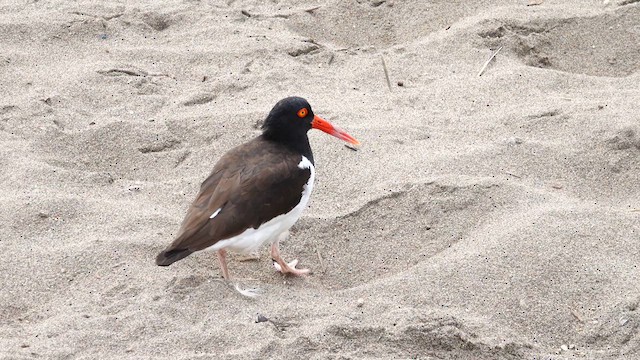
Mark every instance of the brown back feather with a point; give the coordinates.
(252, 183)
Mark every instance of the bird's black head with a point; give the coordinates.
(290, 119)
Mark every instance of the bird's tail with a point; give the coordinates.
(168, 257)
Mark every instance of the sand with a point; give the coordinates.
(484, 217)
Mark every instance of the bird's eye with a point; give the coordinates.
(302, 112)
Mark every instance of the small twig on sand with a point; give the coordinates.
(310, 10)
(352, 147)
(535, 2)
(331, 58)
(127, 72)
(103, 17)
(279, 325)
(484, 67)
(386, 72)
(116, 72)
(320, 259)
(514, 175)
(576, 315)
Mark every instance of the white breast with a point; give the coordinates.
(251, 239)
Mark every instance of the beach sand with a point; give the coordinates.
(484, 217)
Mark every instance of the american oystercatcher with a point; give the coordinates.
(256, 191)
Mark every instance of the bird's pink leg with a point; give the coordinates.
(222, 257)
(284, 267)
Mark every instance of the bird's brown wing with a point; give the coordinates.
(250, 185)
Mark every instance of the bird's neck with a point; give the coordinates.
(298, 143)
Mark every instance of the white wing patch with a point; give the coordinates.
(215, 213)
(305, 163)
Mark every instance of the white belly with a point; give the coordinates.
(252, 239)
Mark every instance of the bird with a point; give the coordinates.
(256, 191)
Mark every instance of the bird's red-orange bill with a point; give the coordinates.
(322, 124)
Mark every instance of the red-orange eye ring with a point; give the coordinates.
(303, 112)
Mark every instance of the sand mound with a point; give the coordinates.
(603, 44)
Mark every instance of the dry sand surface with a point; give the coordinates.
(485, 217)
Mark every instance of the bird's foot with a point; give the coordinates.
(281, 265)
(289, 268)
